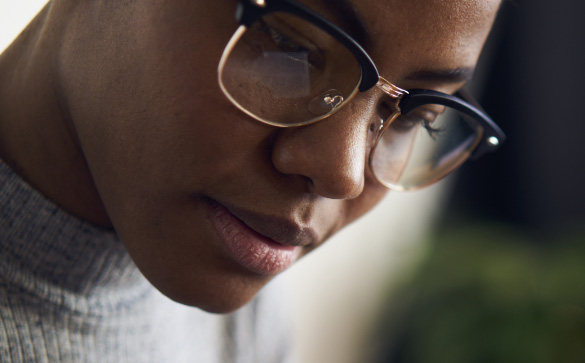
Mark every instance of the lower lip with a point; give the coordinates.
(250, 249)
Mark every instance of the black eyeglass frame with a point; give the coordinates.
(491, 137)
(463, 102)
(250, 11)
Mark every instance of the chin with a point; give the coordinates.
(218, 295)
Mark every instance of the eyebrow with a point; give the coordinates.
(357, 29)
(353, 23)
(455, 75)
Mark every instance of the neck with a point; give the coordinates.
(37, 138)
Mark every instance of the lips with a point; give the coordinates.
(263, 245)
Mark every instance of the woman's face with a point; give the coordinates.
(210, 203)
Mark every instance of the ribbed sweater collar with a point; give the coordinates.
(56, 257)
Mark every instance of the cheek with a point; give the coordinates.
(152, 135)
(150, 118)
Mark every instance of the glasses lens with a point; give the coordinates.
(423, 146)
(286, 71)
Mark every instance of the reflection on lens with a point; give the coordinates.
(423, 146)
(278, 68)
(325, 102)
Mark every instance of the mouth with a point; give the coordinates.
(245, 237)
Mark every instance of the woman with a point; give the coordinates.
(219, 150)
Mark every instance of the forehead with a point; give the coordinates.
(418, 33)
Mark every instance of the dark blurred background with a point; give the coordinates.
(535, 89)
(504, 277)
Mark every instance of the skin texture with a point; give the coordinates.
(112, 110)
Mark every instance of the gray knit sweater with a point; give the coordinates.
(69, 292)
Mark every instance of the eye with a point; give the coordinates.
(423, 116)
(287, 39)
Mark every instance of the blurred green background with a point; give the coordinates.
(490, 293)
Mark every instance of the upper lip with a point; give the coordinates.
(280, 229)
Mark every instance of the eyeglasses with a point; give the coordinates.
(287, 66)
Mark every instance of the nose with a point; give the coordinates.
(330, 154)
